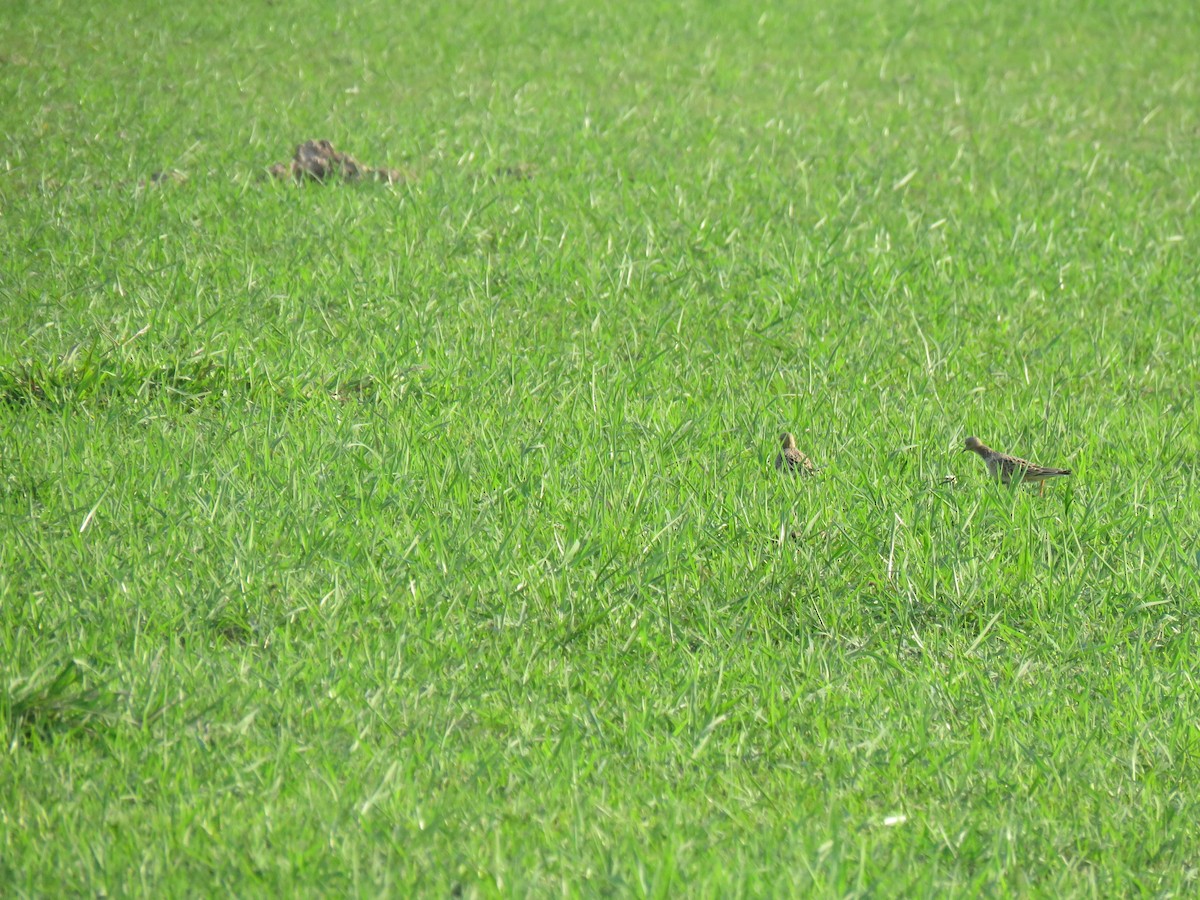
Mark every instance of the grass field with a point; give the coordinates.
(368, 539)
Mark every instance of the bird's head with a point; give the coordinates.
(973, 443)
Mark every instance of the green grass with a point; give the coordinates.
(368, 539)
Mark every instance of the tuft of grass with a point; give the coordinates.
(93, 379)
(56, 699)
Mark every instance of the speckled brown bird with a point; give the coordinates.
(790, 459)
(1006, 468)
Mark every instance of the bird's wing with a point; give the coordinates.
(1011, 465)
(1046, 472)
(1014, 464)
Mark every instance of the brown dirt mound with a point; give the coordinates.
(522, 171)
(162, 179)
(319, 161)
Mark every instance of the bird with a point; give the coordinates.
(790, 459)
(1005, 468)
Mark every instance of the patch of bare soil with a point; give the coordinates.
(319, 161)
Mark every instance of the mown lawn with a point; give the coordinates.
(425, 538)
